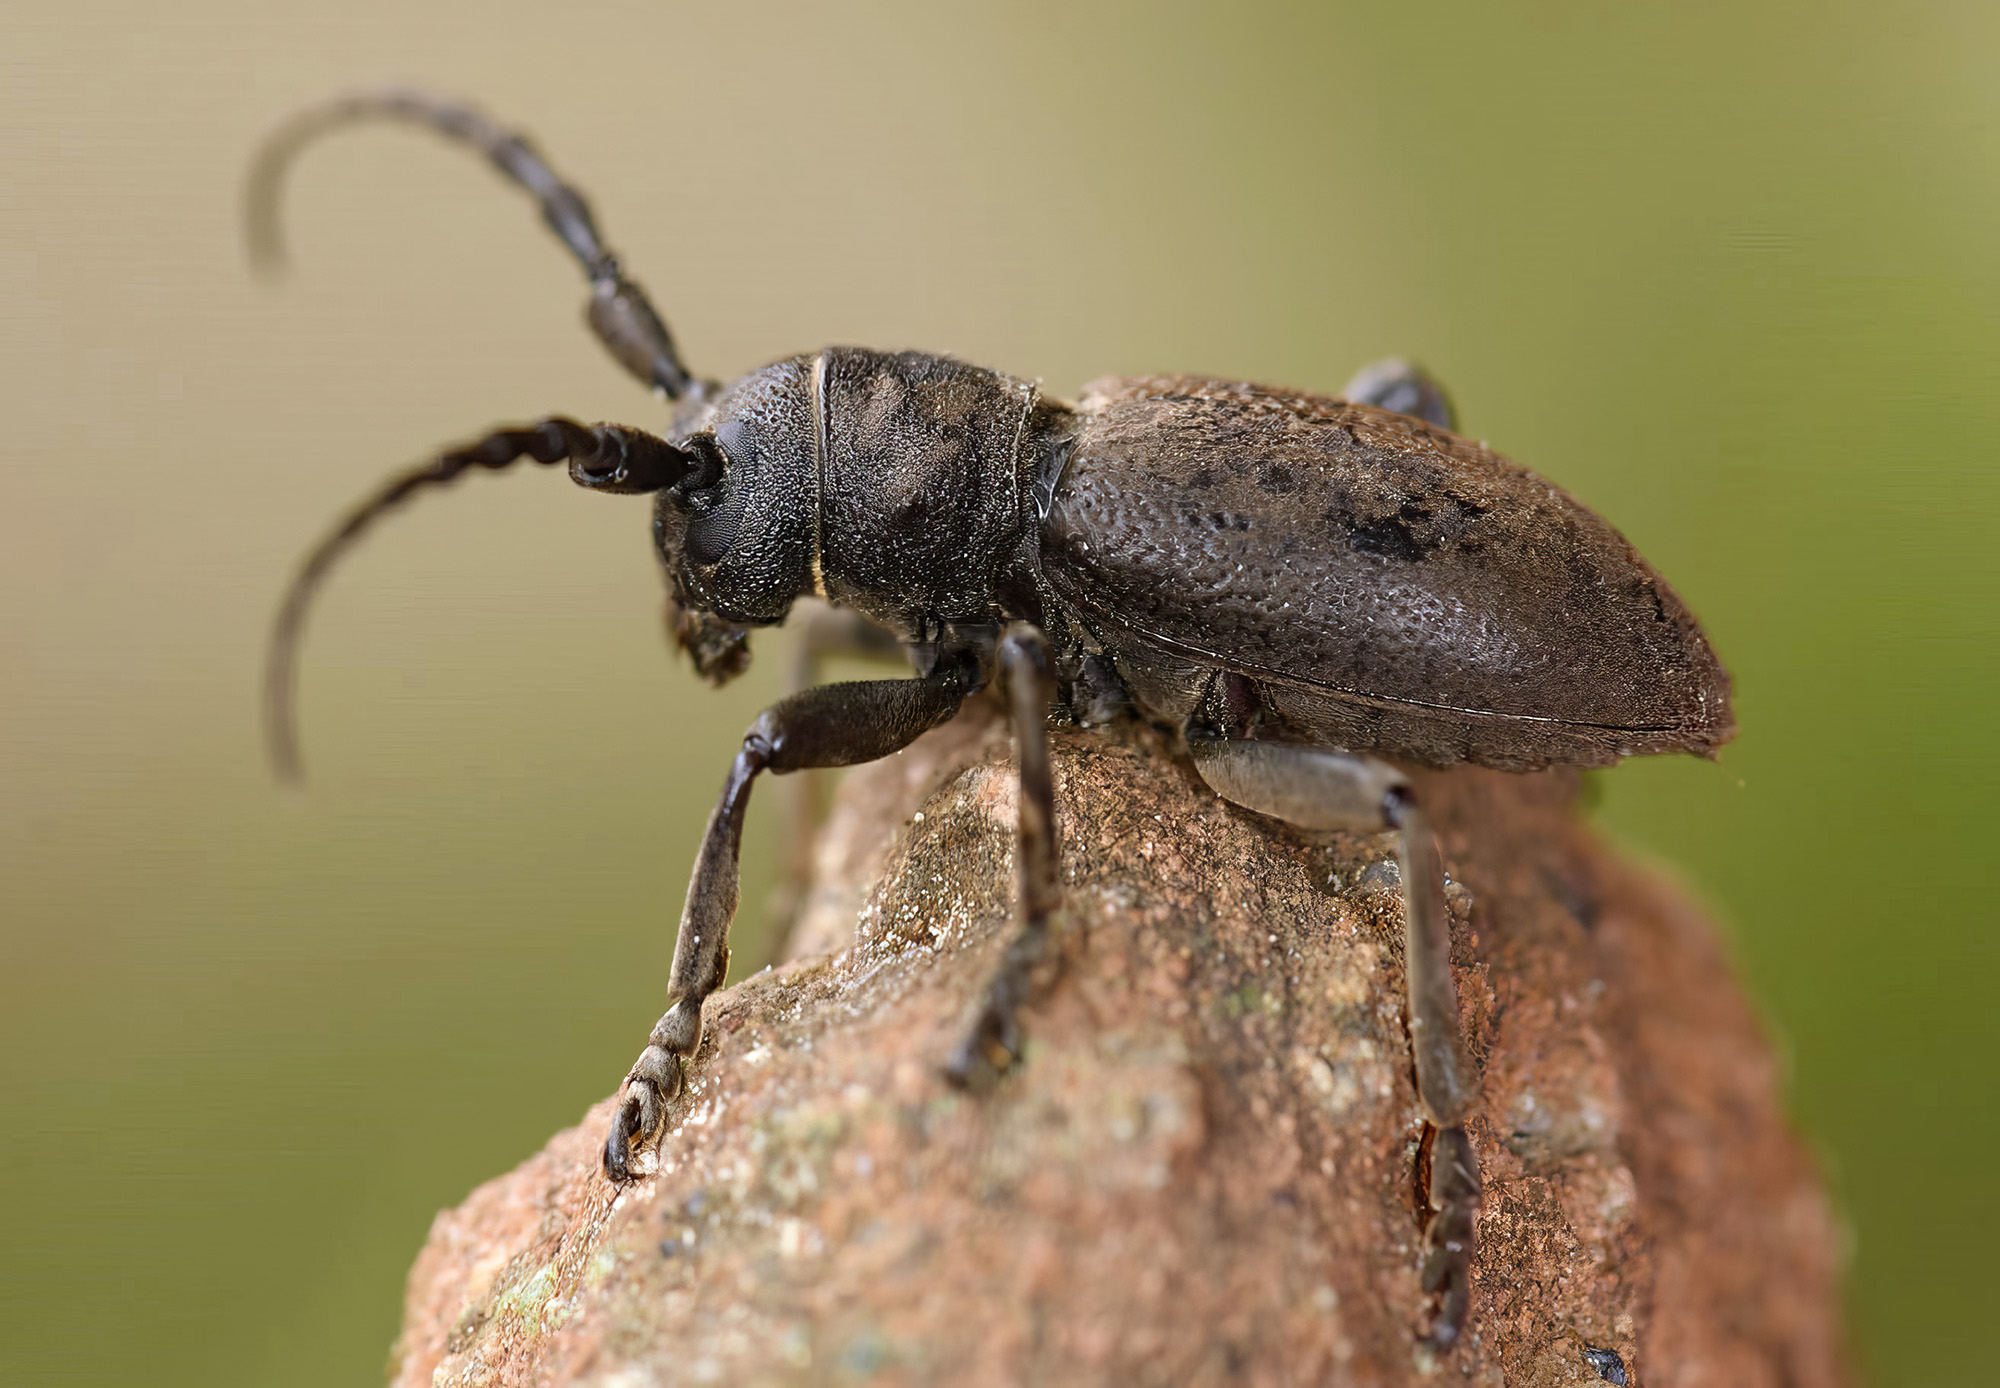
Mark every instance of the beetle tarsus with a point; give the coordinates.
(1448, 1239)
(991, 1046)
(656, 1079)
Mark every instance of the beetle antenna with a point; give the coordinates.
(606, 458)
(619, 313)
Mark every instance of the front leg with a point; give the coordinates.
(834, 725)
(827, 633)
(1319, 789)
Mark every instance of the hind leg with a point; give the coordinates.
(1319, 789)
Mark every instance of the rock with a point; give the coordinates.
(1206, 1169)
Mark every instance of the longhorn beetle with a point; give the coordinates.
(1309, 590)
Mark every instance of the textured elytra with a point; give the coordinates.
(1389, 586)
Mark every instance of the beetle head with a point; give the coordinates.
(736, 530)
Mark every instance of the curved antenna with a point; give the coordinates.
(619, 313)
(607, 458)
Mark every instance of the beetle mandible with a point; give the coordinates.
(1308, 590)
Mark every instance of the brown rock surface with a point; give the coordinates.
(1204, 1172)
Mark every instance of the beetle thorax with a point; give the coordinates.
(921, 493)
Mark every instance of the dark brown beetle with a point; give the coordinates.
(1309, 590)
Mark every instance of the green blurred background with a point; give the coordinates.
(1726, 271)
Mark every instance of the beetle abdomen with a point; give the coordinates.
(1388, 586)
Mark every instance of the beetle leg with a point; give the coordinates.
(826, 633)
(993, 1041)
(1319, 789)
(833, 725)
(1394, 384)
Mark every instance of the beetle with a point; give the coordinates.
(1311, 592)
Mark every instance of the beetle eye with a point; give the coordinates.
(702, 482)
(714, 508)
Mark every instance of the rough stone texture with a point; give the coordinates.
(1205, 1172)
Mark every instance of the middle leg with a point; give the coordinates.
(993, 1042)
